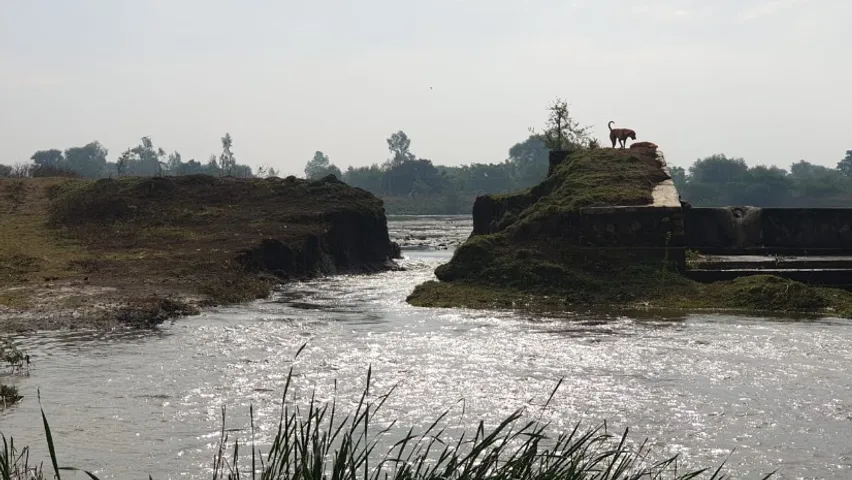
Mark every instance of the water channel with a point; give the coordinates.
(128, 403)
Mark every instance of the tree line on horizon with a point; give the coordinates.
(714, 181)
(410, 184)
(144, 160)
(719, 180)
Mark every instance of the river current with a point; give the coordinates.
(763, 393)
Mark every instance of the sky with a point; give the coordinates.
(764, 80)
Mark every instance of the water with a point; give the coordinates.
(126, 404)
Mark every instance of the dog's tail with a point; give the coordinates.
(610, 124)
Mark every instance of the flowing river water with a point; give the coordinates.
(124, 404)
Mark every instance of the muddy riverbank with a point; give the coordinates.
(81, 254)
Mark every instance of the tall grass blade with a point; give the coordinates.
(50, 447)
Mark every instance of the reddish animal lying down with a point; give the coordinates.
(648, 145)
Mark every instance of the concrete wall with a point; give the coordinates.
(791, 230)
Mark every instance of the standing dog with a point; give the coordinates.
(620, 134)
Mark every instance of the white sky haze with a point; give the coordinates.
(768, 81)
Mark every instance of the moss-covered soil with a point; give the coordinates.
(78, 253)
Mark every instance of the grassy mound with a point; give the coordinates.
(526, 251)
(194, 200)
(148, 240)
(587, 178)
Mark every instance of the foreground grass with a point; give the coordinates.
(318, 442)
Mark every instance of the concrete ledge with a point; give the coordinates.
(775, 230)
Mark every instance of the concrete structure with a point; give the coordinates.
(731, 241)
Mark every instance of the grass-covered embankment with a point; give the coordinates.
(527, 251)
(140, 250)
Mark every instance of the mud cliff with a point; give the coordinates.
(141, 250)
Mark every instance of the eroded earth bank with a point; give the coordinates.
(78, 253)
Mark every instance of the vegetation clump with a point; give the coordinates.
(15, 359)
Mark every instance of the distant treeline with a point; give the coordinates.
(90, 161)
(413, 185)
(718, 181)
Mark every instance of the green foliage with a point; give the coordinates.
(145, 159)
(227, 161)
(320, 166)
(400, 147)
(563, 132)
(845, 165)
(414, 185)
(410, 185)
(13, 357)
(10, 354)
(719, 180)
(9, 395)
(770, 293)
(529, 160)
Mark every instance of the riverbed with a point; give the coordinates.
(125, 404)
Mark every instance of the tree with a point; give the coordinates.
(562, 131)
(317, 165)
(678, 177)
(212, 167)
(413, 177)
(227, 162)
(320, 166)
(266, 172)
(400, 147)
(191, 167)
(145, 159)
(816, 181)
(5, 171)
(529, 161)
(174, 163)
(368, 178)
(845, 165)
(88, 160)
(123, 161)
(718, 169)
(765, 186)
(716, 181)
(52, 158)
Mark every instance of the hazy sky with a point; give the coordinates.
(766, 80)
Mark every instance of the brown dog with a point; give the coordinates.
(620, 134)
